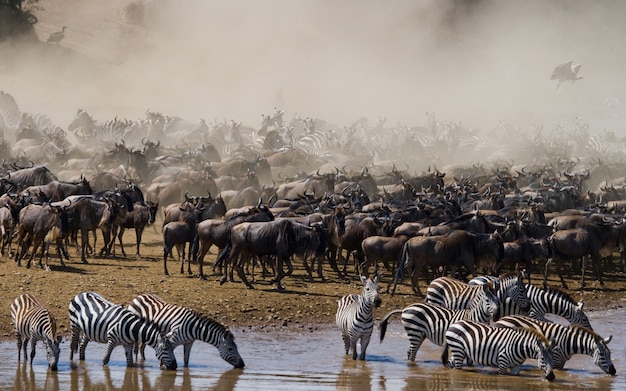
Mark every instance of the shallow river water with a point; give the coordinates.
(309, 360)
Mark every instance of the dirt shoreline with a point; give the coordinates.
(305, 306)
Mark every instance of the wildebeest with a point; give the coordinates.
(591, 240)
(58, 191)
(217, 231)
(523, 251)
(280, 238)
(31, 176)
(140, 216)
(179, 233)
(456, 248)
(381, 248)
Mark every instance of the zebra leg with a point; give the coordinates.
(74, 342)
(33, 344)
(187, 352)
(346, 342)
(414, 346)
(128, 349)
(365, 340)
(109, 350)
(19, 346)
(82, 347)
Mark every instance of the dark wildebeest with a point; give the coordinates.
(280, 238)
(523, 251)
(31, 176)
(595, 240)
(58, 191)
(140, 216)
(217, 231)
(86, 214)
(179, 233)
(51, 226)
(383, 248)
(456, 248)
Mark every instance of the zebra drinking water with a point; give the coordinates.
(497, 347)
(431, 321)
(184, 326)
(567, 340)
(33, 322)
(355, 316)
(96, 319)
(542, 302)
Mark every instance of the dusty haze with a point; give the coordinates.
(474, 62)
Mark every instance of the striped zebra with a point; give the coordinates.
(10, 115)
(96, 319)
(567, 341)
(452, 293)
(599, 145)
(33, 322)
(499, 347)
(429, 321)
(542, 302)
(355, 316)
(318, 143)
(184, 326)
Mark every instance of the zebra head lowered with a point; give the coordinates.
(228, 350)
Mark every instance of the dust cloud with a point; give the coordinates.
(475, 62)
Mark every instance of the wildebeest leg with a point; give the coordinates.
(280, 262)
(240, 269)
(61, 249)
(166, 252)
(138, 235)
(180, 248)
(84, 238)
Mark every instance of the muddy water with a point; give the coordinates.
(309, 361)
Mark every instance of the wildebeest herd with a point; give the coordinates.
(318, 193)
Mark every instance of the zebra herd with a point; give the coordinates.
(492, 321)
(148, 320)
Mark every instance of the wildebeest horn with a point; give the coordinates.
(318, 172)
(186, 198)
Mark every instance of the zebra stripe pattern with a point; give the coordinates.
(545, 301)
(499, 347)
(452, 293)
(96, 319)
(33, 322)
(184, 326)
(598, 145)
(318, 143)
(355, 318)
(567, 340)
(10, 113)
(429, 321)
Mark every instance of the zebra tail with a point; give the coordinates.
(383, 323)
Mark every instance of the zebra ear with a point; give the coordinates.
(608, 339)
(377, 278)
(363, 278)
(580, 305)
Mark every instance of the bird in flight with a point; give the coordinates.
(566, 72)
(57, 36)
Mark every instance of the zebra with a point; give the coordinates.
(10, 115)
(33, 322)
(184, 326)
(497, 347)
(354, 316)
(431, 321)
(544, 301)
(96, 319)
(318, 142)
(452, 293)
(567, 340)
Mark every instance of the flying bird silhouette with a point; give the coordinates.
(565, 72)
(57, 36)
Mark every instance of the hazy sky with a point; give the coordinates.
(475, 62)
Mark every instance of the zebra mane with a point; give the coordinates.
(562, 293)
(203, 318)
(586, 330)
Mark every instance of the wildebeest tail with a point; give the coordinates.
(224, 254)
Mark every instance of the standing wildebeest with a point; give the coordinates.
(31, 176)
(217, 231)
(280, 238)
(387, 249)
(86, 214)
(58, 191)
(179, 233)
(596, 240)
(456, 248)
(140, 216)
